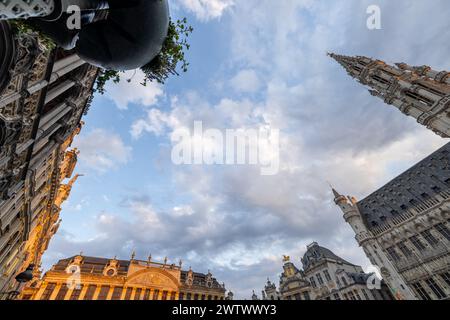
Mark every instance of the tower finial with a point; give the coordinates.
(335, 193)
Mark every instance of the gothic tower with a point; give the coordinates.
(419, 92)
(372, 248)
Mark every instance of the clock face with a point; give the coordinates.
(73, 269)
(111, 272)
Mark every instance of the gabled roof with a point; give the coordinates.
(316, 254)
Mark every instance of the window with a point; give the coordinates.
(128, 293)
(137, 294)
(209, 297)
(436, 189)
(351, 295)
(345, 296)
(188, 296)
(196, 296)
(48, 291)
(62, 292)
(442, 229)
(327, 275)
(421, 291)
(313, 282)
(344, 281)
(393, 253)
(117, 293)
(164, 295)
(203, 297)
(103, 293)
(446, 277)
(319, 278)
(429, 237)
(306, 295)
(297, 296)
(435, 288)
(147, 294)
(181, 296)
(417, 243)
(404, 249)
(76, 292)
(90, 292)
(155, 294)
(336, 296)
(357, 295)
(365, 294)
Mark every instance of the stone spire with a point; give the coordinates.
(419, 92)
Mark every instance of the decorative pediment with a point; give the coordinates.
(154, 279)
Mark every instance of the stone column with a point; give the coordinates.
(40, 291)
(110, 293)
(133, 293)
(55, 291)
(124, 293)
(69, 292)
(97, 292)
(83, 291)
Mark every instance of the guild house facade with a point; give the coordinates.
(44, 93)
(325, 276)
(90, 278)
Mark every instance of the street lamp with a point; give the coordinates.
(129, 36)
(21, 278)
(25, 276)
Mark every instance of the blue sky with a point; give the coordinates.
(253, 62)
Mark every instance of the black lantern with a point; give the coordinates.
(25, 276)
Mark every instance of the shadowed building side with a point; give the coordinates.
(41, 105)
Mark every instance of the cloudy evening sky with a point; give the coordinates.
(253, 62)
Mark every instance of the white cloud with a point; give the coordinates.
(246, 81)
(207, 9)
(102, 150)
(127, 92)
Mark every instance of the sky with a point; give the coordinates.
(252, 63)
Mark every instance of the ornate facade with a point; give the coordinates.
(43, 95)
(404, 228)
(325, 276)
(419, 92)
(90, 278)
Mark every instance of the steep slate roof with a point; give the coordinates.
(316, 253)
(412, 189)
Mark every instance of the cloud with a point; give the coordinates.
(125, 93)
(102, 150)
(246, 81)
(206, 10)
